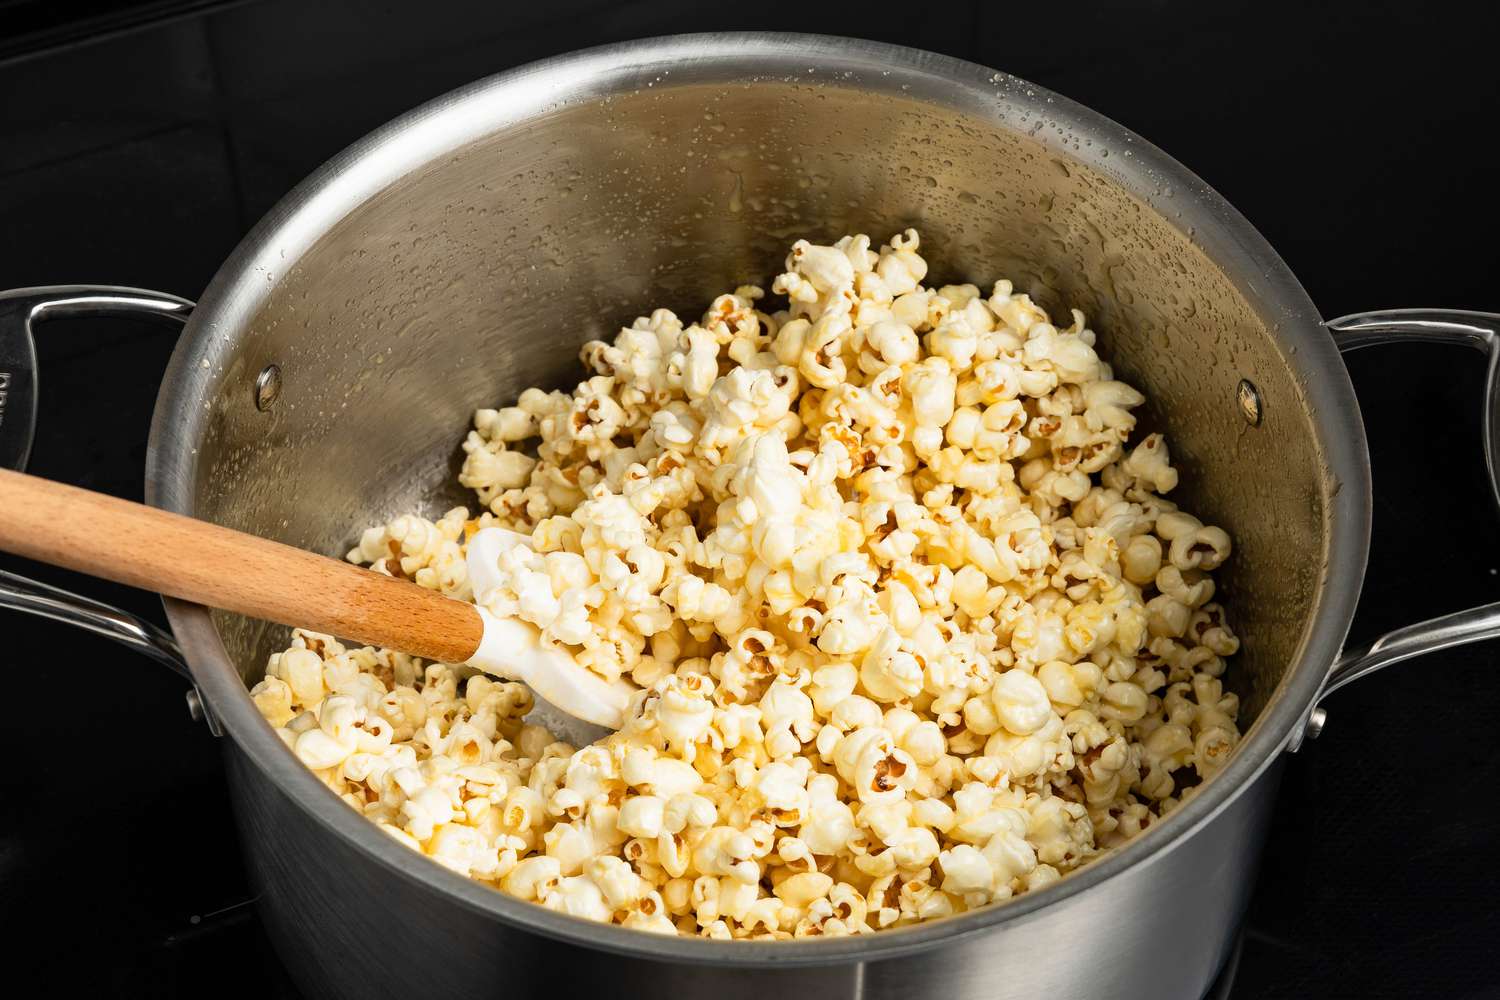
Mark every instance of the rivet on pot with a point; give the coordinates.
(1315, 723)
(267, 388)
(200, 713)
(1249, 399)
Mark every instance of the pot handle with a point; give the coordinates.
(20, 310)
(1437, 326)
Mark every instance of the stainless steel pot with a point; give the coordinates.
(464, 251)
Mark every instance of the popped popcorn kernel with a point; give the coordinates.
(915, 627)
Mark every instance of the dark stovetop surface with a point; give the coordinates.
(1348, 137)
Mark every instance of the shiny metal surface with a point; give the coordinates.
(1457, 629)
(19, 593)
(1478, 330)
(267, 387)
(465, 250)
(1316, 720)
(1471, 329)
(1397, 326)
(17, 383)
(1249, 399)
(20, 310)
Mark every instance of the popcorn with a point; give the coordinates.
(1141, 560)
(302, 671)
(966, 871)
(641, 816)
(915, 628)
(723, 850)
(318, 750)
(1021, 703)
(533, 879)
(413, 548)
(273, 697)
(803, 889)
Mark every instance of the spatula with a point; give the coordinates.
(194, 560)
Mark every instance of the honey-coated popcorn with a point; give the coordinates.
(914, 628)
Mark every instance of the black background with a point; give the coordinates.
(139, 142)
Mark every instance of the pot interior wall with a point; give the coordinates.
(482, 273)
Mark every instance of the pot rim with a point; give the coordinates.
(195, 378)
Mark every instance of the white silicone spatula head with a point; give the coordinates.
(513, 649)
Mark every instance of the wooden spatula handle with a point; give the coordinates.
(196, 561)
